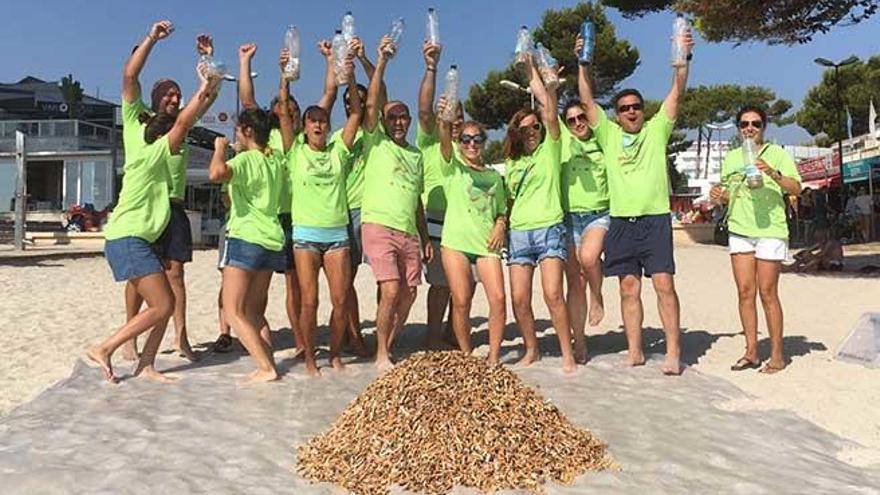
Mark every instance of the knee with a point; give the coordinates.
(590, 262)
(460, 301)
(496, 302)
(553, 296)
(746, 292)
(630, 289)
(769, 295)
(521, 304)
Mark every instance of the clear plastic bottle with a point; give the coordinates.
(754, 178)
(546, 65)
(340, 52)
(679, 52)
(396, 31)
(348, 31)
(291, 42)
(588, 34)
(450, 113)
(213, 67)
(432, 28)
(523, 45)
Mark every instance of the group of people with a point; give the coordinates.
(577, 186)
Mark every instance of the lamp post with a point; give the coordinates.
(516, 87)
(824, 62)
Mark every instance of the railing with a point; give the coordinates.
(55, 128)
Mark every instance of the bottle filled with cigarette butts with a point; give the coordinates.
(523, 45)
(340, 53)
(348, 31)
(546, 66)
(291, 42)
(754, 178)
(679, 51)
(450, 113)
(432, 28)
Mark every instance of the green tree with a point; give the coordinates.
(494, 152)
(719, 103)
(774, 22)
(859, 84)
(72, 92)
(493, 104)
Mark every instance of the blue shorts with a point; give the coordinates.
(175, 243)
(221, 246)
(530, 247)
(639, 245)
(321, 248)
(577, 223)
(132, 257)
(286, 221)
(252, 257)
(354, 237)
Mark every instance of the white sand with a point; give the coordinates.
(54, 309)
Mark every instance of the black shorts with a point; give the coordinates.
(356, 246)
(287, 226)
(639, 245)
(175, 243)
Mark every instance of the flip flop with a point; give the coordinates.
(769, 369)
(745, 363)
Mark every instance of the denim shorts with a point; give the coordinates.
(530, 247)
(132, 257)
(577, 223)
(321, 248)
(252, 257)
(175, 243)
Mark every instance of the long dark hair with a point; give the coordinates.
(156, 125)
(258, 120)
(514, 145)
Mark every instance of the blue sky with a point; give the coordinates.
(91, 39)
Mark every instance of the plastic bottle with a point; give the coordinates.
(450, 113)
(348, 31)
(213, 67)
(679, 52)
(340, 52)
(396, 31)
(588, 34)
(291, 42)
(754, 179)
(546, 65)
(523, 45)
(432, 28)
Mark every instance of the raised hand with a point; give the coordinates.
(326, 48)
(441, 105)
(221, 143)
(161, 30)
(578, 45)
(356, 46)
(247, 51)
(387, 48)
(205, 45)
(283, 59)
(431, 54)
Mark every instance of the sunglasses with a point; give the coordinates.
(398, 116)
(757, 124)
(534, 127)
(581, 117)
(472, 138)
(626, 108)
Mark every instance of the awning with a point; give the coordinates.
(858, 170)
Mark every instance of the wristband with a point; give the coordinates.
(430, 69)
(690, 56)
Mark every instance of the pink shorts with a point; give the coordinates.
(392, 254)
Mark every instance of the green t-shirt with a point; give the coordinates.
(276, 142)
(638, 181)
(393, 182)
(354, 181)
(143, 210)
(255, 191)
(584, 185)
(133, 141)
(757, 212)
(538, 203)
(435, 175)
(475, 199)
(318, 183)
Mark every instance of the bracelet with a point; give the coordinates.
(430, 69)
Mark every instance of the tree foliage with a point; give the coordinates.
(493, 104)
(774, 22)
(72, 92)
(720, 103)
(859, 84)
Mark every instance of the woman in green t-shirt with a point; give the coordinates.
(140, 216)
(473, 231)
(758, 233)
(532, 151)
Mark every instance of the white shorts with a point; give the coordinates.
(765, 248)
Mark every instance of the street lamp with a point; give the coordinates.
(824, 62)
(516, 87)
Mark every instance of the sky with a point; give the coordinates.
(91, 40)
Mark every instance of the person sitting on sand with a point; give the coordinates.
(141, 215)
(825, 255)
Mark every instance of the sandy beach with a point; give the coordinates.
(819, 416)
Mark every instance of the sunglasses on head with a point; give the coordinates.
(534, 127)
(626, 108)
(581, 117)
(757, 124)
(472, 138)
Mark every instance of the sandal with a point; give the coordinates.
(223, 343)
(770, 368)
(745, 363)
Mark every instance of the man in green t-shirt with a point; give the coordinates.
(639, 239)
(393, 219)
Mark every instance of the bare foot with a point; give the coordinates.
(337, 364)
(259, 376)
(635, 359)
(150, 373)
(671, 366)
(580, 351)
(383, 364)
(185, 351)
(312, 368)
(772, 367)
(129, 353)
(569, 367)
(528, 359)
(597, 311)
(102, 359)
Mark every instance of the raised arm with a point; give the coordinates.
(585, 86)
(131, 86)
(218, 170)
(427, 119)
(374, 92)
(205, 46)
(329, 97)
(679, 80)
(245, 84)
(356, 114)
(444, 131)
(198, 104)
(285, 119)
(369, 68)
(547, 97)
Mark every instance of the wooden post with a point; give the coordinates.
(20, 189)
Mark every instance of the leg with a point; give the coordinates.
(389, 291)
(438, 300)
(236, 286)
(632, 313)
(293, 304)
(258, 299)
(176, 278)
(224, 339)
(576, 300)
(133, 302)
(458, 275)
(744, 274)
(308, 263)
(337, 268)
(405, 301)
(160, 305)
(667, 304)
(492, 277)
(552, 270)
(768, 286)
(521, 294)
(590, 256)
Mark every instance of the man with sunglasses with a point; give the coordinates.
(639, 238)
(392, 214)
